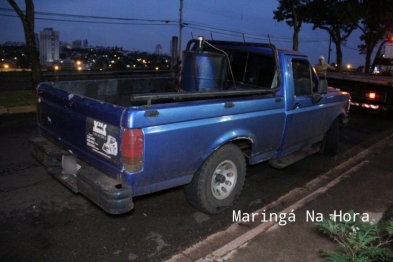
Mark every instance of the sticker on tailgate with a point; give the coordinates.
(101, 139)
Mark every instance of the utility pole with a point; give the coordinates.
(330, 49)
(181, 29)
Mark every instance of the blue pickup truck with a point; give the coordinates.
(230, 105)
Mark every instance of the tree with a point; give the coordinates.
(374, 27)
(339, 18)
(28, 27)
(293, 12)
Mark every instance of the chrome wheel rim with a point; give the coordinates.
(224, 179)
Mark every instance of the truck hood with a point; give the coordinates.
(333, 89)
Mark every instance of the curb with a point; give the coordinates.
(17, 110)
(298, 198)
(231, 246)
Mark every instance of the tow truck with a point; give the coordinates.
(370, 91)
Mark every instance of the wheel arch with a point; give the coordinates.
(243, 139)
(219, 181)
(342, 119)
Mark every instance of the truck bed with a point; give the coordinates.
(115, 91)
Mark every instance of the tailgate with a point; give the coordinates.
(85, 127)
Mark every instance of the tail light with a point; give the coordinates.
(371, 95)
(132, 146)
(376, 96)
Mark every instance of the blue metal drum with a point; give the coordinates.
(203, 71)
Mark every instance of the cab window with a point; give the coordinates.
(304, 80)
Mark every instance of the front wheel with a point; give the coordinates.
(219, 181)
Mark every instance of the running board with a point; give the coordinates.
(285, 161)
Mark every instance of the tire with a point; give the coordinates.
(331, 139)
(218, 182)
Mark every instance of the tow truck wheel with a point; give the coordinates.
(331, 139)
(219, 181)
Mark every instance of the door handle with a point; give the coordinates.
(229, 105)
(153, 113)
(297, 106)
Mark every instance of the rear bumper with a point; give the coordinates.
(371, 105)
(106, 192)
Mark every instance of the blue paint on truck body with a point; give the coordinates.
(181, 134)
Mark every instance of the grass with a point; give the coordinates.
(17, 98)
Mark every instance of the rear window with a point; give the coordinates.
(249, 68)
(252, 69)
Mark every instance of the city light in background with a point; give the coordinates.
(141, 25)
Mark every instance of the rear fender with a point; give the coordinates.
(230, 136)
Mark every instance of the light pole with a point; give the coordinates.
(330, 48)
(181, 29)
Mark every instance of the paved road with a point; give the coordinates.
(41, 220)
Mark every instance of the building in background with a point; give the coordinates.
(158, 50)
(77, 44)
(65, 45)
(49, 46)
(85, 43)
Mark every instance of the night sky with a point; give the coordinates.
(141, 25)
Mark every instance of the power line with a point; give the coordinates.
(190, 24)
(94, 22)
(96, 17)
(353, 48)
(202, 26)
(240, 35)
(160, 22)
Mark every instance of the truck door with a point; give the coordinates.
(305, 115)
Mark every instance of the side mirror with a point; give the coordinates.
(316, 98)
(322, 87)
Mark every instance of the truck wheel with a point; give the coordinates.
(331, 139)
(219, 181)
